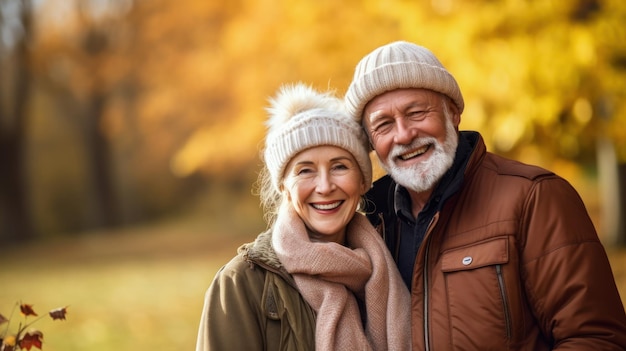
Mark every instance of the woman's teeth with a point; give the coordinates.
(327, 206)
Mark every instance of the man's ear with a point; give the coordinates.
(454, 111)
(456, 118)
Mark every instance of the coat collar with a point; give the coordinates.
(261, 251)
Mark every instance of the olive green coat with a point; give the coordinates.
(253, 304)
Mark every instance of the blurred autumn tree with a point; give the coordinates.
(134, 107)
(15, 85)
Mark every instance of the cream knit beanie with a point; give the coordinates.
(301, 118)
(398, 65)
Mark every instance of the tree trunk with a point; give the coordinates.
(612, 185)
(100, 164)
(14, 204)
(620, 236)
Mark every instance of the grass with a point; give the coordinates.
(136, 288)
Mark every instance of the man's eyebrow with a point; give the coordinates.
(372, 116)
(419, 104)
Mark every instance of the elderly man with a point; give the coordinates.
(498, 255)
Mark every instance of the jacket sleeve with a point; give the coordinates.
(231, 317)
(568, 278)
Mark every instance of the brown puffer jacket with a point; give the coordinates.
(253, 304)
(511, 261)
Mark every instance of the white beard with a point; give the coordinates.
(423, 176)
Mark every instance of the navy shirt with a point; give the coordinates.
(411, 230)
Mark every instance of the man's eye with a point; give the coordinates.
(382, 126)
(417, 114)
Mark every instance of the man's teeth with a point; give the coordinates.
(327, 206)
(414, 153)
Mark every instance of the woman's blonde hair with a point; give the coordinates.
(269, 196)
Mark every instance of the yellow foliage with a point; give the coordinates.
(204, 70)
(217, 147)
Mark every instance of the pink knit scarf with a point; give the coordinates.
(329, 276)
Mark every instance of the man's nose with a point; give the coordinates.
(405, 132)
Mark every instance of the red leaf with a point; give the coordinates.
(27, 310)
(58, 313)
(30, 339)
(3, 319)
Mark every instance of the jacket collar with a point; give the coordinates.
(260, 251)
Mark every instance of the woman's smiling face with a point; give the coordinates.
(324, 184)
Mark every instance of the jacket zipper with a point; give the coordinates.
(505, 303)
(425, 275)
(426, 297)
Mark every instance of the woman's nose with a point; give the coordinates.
(324, 183)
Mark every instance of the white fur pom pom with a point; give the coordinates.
(297, 98)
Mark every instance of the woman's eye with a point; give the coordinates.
(304, 171)
(340, 167)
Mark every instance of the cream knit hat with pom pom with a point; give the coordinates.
(301, 118)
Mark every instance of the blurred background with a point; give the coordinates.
(130, 132)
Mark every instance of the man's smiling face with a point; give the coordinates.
(414, 134)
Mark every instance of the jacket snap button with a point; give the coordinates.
(467, 260)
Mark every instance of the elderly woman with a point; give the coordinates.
(320, 278)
